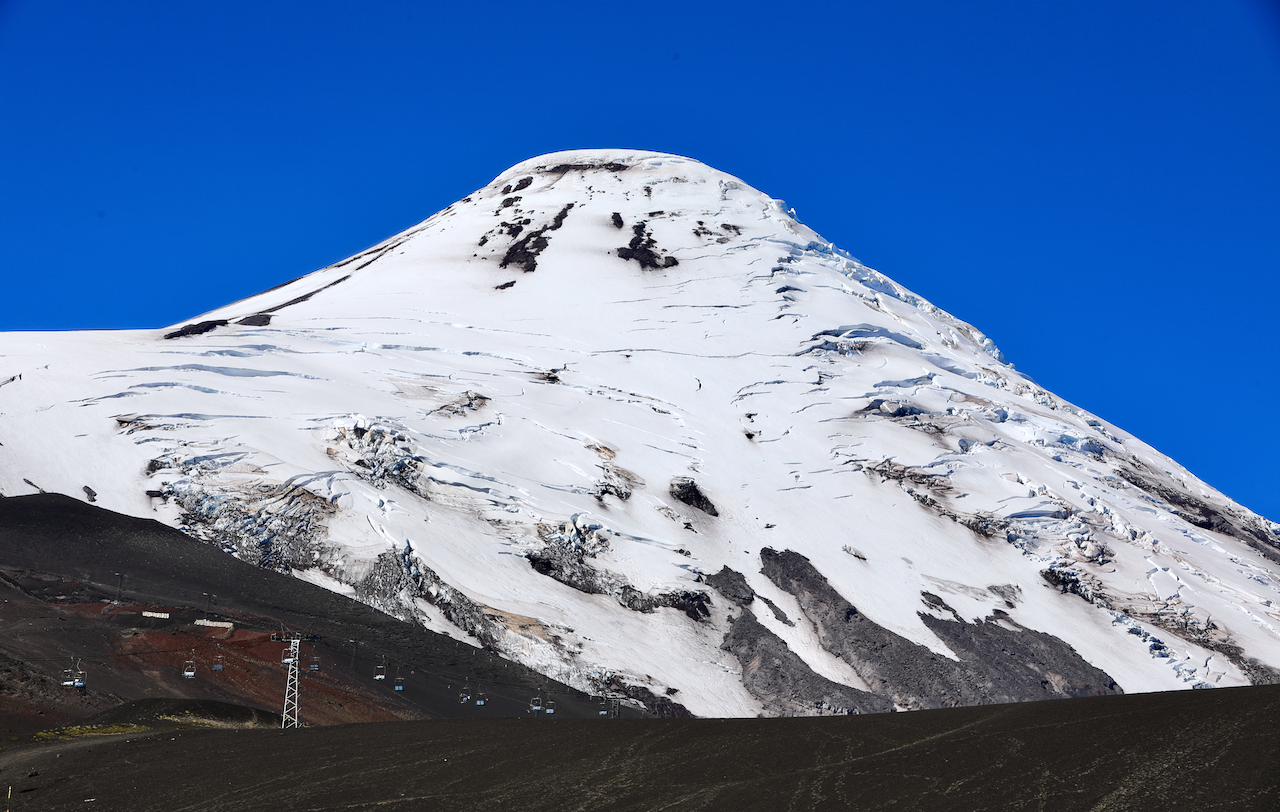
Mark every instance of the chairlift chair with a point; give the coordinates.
(381, 671)
(535, 704)
(218, 662)
(551, 706)
(189, 669)
(604, 707)
(481, 698)
(286, 656)
(68, 678)
(78, 679)
(399, 686)
(464, 695)
(315, 664)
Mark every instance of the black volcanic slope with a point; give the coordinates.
(1193, 750)
(58, 563)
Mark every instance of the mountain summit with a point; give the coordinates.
(623, 418)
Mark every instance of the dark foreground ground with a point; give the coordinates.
(1193, 750)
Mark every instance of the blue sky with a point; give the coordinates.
(1096, 185)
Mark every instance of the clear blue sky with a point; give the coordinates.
(1096, 185)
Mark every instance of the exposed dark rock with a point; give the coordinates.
(777, 611)
(999, 661)
(90, 494)
(505, 285)
(564, 558)
(687, 491)
(661, 706)
(1010, 593)
(524, 253)
(642, 249)
(1071, 581)
(523, 183)
(1203, 515)
(732, 585)
(197, 329)
(616, 481)
(256, 320)
(617, 220)
(560, 169)
(784, 683)
(304, 297)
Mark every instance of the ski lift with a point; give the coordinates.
(551, 706)
(189, 668)
(218, 661)
(535, 704)
(481, 698)
(286, 656)
(399, 686)
(464, 695)
(381, 671)
(315, 664)
(73, 677)
(604, 707)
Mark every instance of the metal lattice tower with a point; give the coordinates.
(290, 716)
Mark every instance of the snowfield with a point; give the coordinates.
(623, 418)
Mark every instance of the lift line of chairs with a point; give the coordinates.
(74, 677)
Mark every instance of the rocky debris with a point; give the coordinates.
(616, 481)
(524, 253)
(567, 547)
(643, 249)
(661, 706)
(732, 585)
(1201, 514)
(784, 683)
(686, 490)
(1011, 594)
(199, 328)
(999, 661)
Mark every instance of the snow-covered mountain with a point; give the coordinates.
(623, 418)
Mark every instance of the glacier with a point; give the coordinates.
(625, 419)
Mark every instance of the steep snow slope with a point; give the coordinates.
(623, 418)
